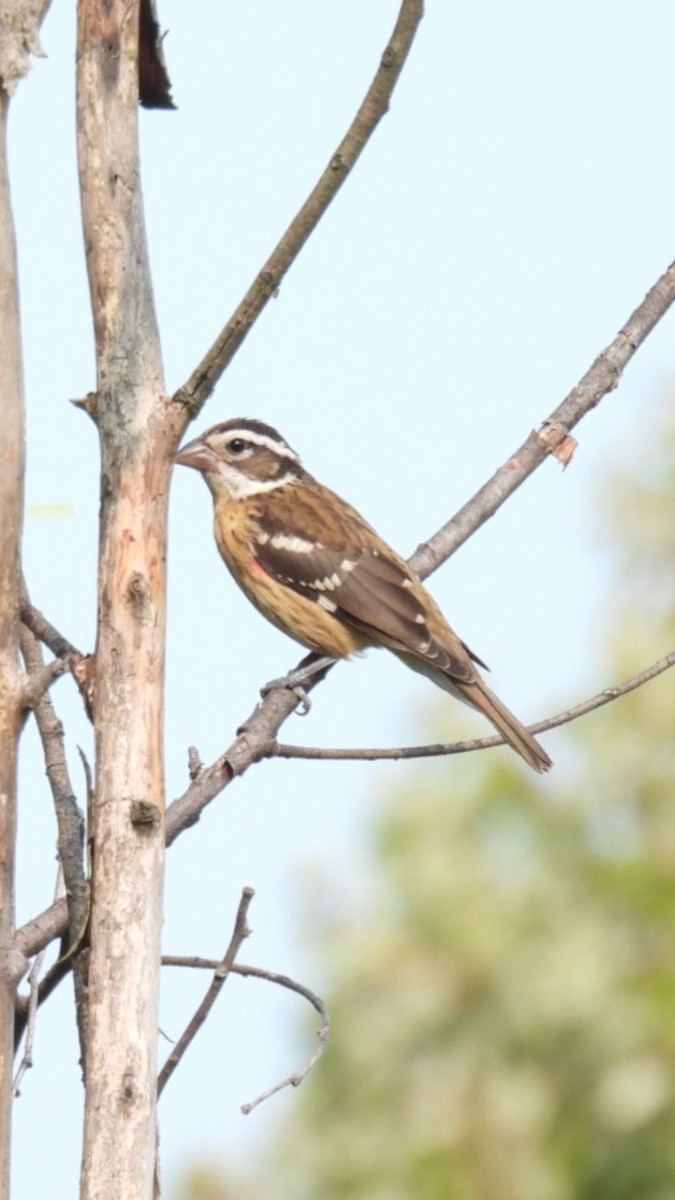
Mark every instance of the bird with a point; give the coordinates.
(315, 568)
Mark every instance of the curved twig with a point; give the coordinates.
(317, 1003)
(440, 749)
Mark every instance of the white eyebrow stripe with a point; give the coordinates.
(297, 545)
(262, 439)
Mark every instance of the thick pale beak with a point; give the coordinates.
(197, 454)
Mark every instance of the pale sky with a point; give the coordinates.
(512, 209)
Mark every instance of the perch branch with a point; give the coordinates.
(606, 696)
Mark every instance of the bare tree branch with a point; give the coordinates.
(256, 741)
(606, 696)
(48, 984)
(71, 826)
(201, 383)
(39, 681)
(322, 1034)
(175, 960)
(37, 933)
(32, 1001)
(31, 1016)
(79, 665)
(602, 377)
(69, 816)
(44, 631)
(221, 971)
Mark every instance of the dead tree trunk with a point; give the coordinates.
(138, 429)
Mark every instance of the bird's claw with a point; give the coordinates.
(304, 703)
(292, 684)
(308, 670)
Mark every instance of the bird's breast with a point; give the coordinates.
(300, 617)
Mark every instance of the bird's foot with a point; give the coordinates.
(294, 681)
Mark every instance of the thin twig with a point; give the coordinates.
(322, 1034)
(195, 764)
(201, 383)
(221, 972)
(48, 984)
(44, 631)
(441, 748)
(33, 1001)
(69, 816)
(78, 664)
(33, 981)
(317, 1003)
(70, 841)
(39, 681)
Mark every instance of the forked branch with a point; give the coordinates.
(228, 966)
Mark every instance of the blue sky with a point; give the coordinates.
(512, 209)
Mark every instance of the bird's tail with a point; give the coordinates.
(478, 695)
(475, 691)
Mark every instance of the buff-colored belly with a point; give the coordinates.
(302, 619)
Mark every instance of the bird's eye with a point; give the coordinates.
(236, 446)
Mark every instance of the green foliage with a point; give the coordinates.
(504, 1028)
(206, 1181)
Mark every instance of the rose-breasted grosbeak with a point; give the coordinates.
(312, 565)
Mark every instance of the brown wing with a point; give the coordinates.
(359, 579)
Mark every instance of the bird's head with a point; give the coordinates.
(242, 457)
